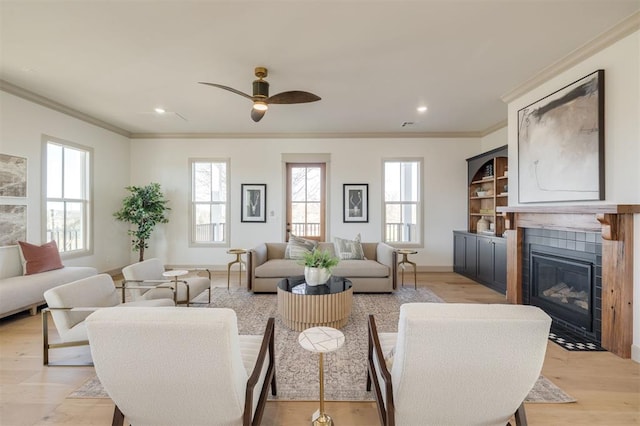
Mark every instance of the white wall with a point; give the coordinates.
(22, 125)
(260, 161)
(621, 62)
(494, 139)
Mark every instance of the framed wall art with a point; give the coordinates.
(254, 202)
(13, 224)
(561, 144)
(355, 202)
(13, 176)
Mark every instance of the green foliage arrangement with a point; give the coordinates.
(320, 259)
(145, 207)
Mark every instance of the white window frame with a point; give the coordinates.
(419, 241)
(193, 203)
(87, 201)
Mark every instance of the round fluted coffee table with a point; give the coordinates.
(302, 306)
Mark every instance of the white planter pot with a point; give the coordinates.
(316, 276)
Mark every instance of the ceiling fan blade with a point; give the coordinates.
(292, 97)
(257, 115)
(231, 89)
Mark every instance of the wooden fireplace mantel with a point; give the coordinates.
(615, 223)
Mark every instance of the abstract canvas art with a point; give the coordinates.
(13, 224)
(13, 176)
(561, 144)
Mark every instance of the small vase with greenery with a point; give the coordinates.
(318, 265)
(145, 207)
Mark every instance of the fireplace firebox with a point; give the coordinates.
(562, 283)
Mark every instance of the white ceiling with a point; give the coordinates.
(372, 62)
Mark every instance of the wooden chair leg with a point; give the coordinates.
(118, 417)
(521, 416)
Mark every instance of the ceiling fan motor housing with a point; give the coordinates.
(260, 88)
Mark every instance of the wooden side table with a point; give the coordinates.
(321, 340)
(239, 261)
(405, 253)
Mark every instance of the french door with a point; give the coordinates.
(306, 200)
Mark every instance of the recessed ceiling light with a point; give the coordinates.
(160, 110)
(422, 108)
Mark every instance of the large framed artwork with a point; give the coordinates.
(561, 144)
(13, 176)
(254, 202)
(355, 202)
(13, 224)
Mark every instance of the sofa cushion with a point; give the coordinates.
(361, 268)
(276, 268)
(298, 246)
(36, 259)
(23, 291)
(349, 249)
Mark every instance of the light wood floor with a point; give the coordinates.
(607, 387)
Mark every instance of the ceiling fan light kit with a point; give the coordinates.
(260, 106)
(261, 98)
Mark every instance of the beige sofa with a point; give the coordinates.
(377, 274)
(21, 292)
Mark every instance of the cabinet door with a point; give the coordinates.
(459, 253)
(464, 254)
(470, 255)
(485, 259)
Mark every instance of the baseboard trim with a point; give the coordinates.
(635, 353)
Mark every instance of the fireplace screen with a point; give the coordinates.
(563, 287)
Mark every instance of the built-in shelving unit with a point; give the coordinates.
(480, 251)
(488, 190)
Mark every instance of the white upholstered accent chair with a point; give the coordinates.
(69, 304)
(457, 364)
(190, 366)
(145, 281)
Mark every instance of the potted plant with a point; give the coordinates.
(317, 266)
(145, 207)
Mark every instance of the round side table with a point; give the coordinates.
(321, 340)
(239, 261)
(405, 253)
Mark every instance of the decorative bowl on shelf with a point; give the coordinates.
(481, 193)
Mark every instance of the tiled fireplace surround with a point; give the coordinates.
(566, 226)
(572, 244)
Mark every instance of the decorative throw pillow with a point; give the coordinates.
(39, 258)
(349, 249)
(298, 246)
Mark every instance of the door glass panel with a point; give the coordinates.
(305, 200)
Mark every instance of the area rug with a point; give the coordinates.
(345, 369)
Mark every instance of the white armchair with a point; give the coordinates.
(190, 366)
(69, 304)
(457, 364)
(146, 282)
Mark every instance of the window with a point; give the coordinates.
(402, 202)
(68, 195)
(209, 202)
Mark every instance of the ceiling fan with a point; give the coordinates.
(261, 98)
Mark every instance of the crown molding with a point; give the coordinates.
(618, 32)
(56, 106)
(494, 128)
(392, 135)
